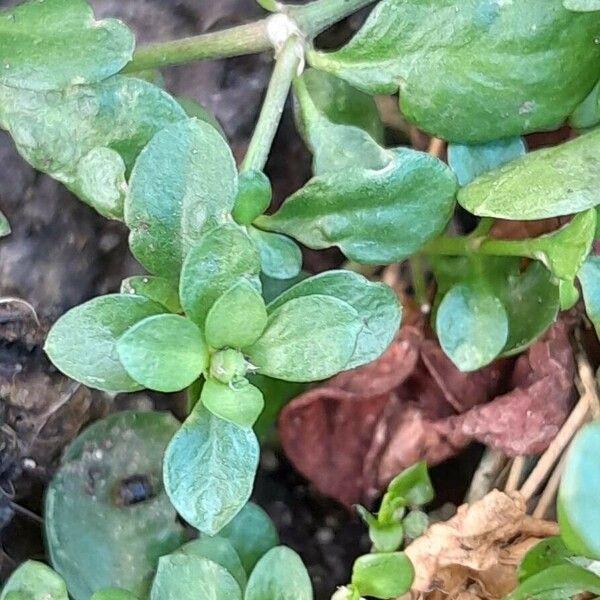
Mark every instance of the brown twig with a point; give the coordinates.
(515, 474)
(436, 147)
(549, 494)
(490, 466)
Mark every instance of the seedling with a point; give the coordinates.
(202, 320)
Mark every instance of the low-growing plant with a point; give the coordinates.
(202, 320)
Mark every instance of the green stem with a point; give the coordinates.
(460, 246)
(419, 280)
(483, 227)
(250, 38)
(284, 72)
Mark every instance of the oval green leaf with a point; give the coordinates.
(209, 470)
(252, 534)
(183, 183)
(373, 216)
(550, 182)
(589, 276)
(279, 575)
(165, 353)
(238, 402)
(253, 197)
(464, 71)
(472, 326)
(37, 41)
(189, 577)
(280, 256)
(383, 575)
(222, 258)
(100, 530)
(307, 339)
(83, 342)
(159, 289)
(237, 318)
(34, 580)
(376, 303)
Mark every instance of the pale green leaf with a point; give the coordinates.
(183, 184)
(589, 276)
(237, 318)
(253, 197)
(383, 575)
(34, 580)
(307, 339)
(373, 216)
(113, 594)
(559, 582)
(53, 44)
(83, 342)
(165, 353)
(237, 402)
(280, 256)
(582, 5)
(209, 470)
(100, 534)
(587, 114)
(159, 289)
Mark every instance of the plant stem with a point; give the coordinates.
(284, 72)
(250, 38)
(483, 227)
(419, 280)
(459, 246)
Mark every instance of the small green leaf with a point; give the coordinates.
(557, 583)
(464, 71)
(582, 5)
(279, 575)
(239, 403)
(161, 290)
(280, 256)
(165, 353)
(209, 470)
(37, 41)
(568, 294)
(252, 534)
(589, 276)
(271, 288)
(237, 318)
(339, 123)
(415, 523)
(183, 184)
(113, 594)
(566, 179)
(83, 342)
(307, 339)
(411, 487)
(587, 114)
(373, 216)
(469, 162)
(228, 366)
(220, 551)
(194, 109)
(386, 537)
(222, 257)
(107, 516)
(88, 137)
(472, 326)
(189, 577)
(383, 575)
(4, 225)
(578, 494)
(253, 197)
(34, 581)
(550, 552)
(376, 303)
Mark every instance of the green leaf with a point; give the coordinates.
(279, 575)
(88, 137)
(165, 353)
(222, 258)
(339, 123)
(582, 5)
(415, 523)
(183, 184)
(253, 197)
(209, 470)
(237, 318)
(194, 109)
(83, 342)
(465, 71)
(188, 577)
(161, 290)
(411, 487)
(37, 42)
(113, 594)
(578, 494)
(220, 551)
(589, 276)
(383, 575)
(550, 552)
(557, 583)
(228, 366)
(252, 534)
(34, 581)
(280, 256)
(386, 537)
(472, 326)
(373, 216)
(565, 181)
(587, 114)
(307, 339)
(376, 304)
(469, 162)
(4, 225)
(107, 516)
(239, 403)
(271, 288)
